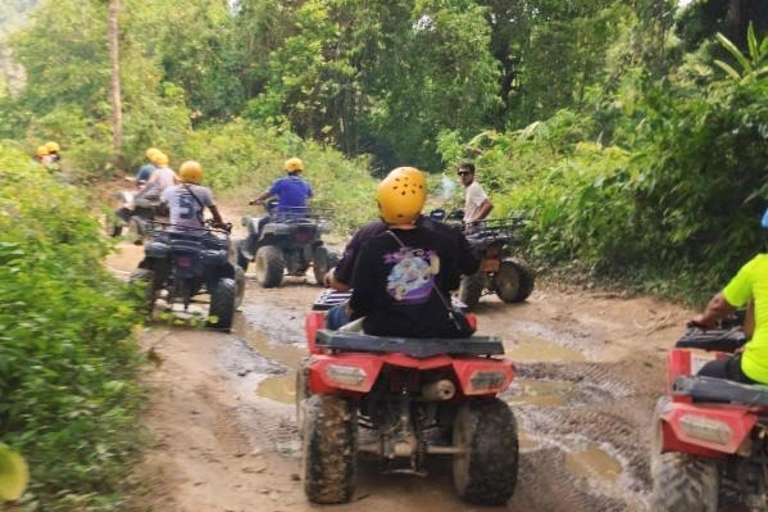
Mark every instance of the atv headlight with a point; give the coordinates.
(706, 429)
(347, 376)
(487, 380)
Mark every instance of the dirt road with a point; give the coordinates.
(590, 367)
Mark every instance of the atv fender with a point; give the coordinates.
(314, 322)
(677, 438)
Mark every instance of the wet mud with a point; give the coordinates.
(588, 371)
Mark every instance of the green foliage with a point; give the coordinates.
(68, 362)
(671, 206)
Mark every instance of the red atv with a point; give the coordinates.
(401, 399)
(708, 431)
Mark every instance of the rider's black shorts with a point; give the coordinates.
(728, 368)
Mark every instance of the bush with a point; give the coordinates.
(68, 362)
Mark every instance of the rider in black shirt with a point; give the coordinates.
(406, 266)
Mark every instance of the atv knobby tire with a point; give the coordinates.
(330, 449)
(471, 288)
(270, 266)
(240, 282)
(681, 482)
(223, 299)
(113, 225)
(135, 231)
(242, 261)
(147, 277)
(320, 263)
(514, 280)
(302, 395)
(486, 473)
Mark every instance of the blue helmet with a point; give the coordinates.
(764, 221)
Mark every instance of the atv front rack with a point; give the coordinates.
(419, 348)
(710, 389)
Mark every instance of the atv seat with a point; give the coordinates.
(720, 340)
(710, 389)
(419, 348)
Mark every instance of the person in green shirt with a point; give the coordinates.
(748, 287)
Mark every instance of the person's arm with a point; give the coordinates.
(331, 281)
(717, 309)
(148, 186)
(735, 295)
(261, 197)
(469, 262)
(483, 210)
(218, 221)
(363, 283)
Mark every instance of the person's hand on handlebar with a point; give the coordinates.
(702, 322)
(256, 201)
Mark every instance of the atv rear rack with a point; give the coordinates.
(420, 348)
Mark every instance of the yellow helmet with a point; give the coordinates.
(161, 159)
(294, 164)
(53, 147)
(401, 195)
(150, 153)
(191, 172)
(41, 151)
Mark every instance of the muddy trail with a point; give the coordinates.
(589, 369)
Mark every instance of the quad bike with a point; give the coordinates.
(708, 434)
(401, 400)
(286, 241)
(510, 278)
(133, 214)
(183, 265)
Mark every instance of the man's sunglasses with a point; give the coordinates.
(462, 173)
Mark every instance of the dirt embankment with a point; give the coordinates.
(589, 369)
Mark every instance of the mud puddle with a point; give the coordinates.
(280, 388)
(594, 462)
(530, 348)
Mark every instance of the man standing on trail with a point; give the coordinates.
(291, 191)
(404, 271)
(750, 285)
(187, 202)
(477, 203)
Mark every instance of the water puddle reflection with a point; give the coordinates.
(593, 462)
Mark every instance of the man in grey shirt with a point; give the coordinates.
(187, 202)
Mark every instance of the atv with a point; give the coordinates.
(401, 400)
(708, 433)
(510, 278)
(181, 266)
(288, 241)
(133, 214)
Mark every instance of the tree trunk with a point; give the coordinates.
(114, 57)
